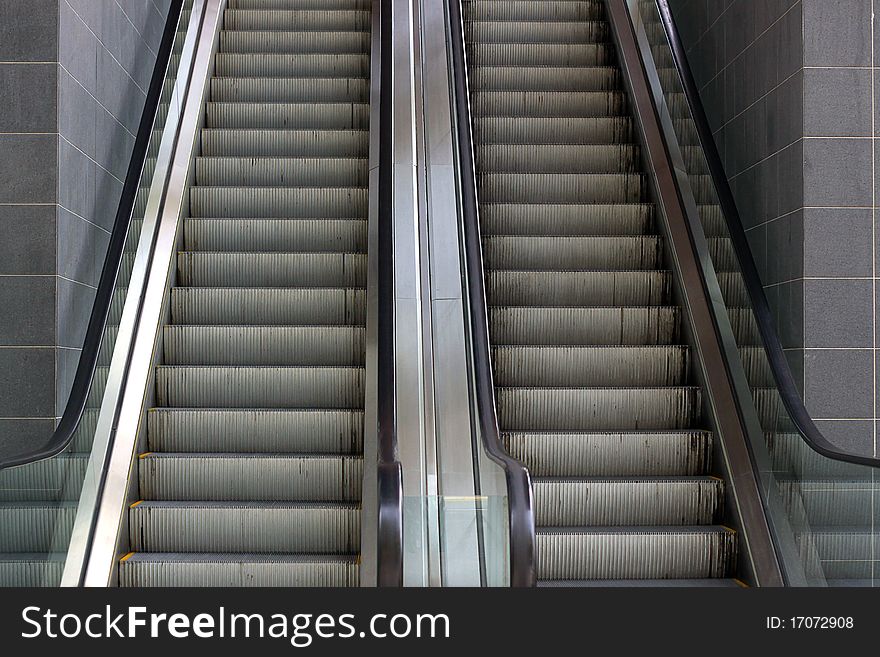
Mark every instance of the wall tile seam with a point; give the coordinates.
(88, 221)
(131, 22)
(92, 96)
(75, 282)
(91, 159)
(752, 43)
(156, 7)
(734, 176)
(34, 63)
(107, 50)
(764, 96)
(65, 278)
(784, 215)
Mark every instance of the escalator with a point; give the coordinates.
(254, 468)
(593, 379)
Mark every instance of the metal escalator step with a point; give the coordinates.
(656, 453)
(733, 288)
(285, 143)
(338, 116)
(207, 569)
(200, 269)
(535, 54)
(846, 545)
(327, 172)
(278, 201)
(280, 235)
(291, 65)
(566, 220)
(757, 366)
(539, 253)
(562, 187)
(590, 366)
(36, 526)
(192, 386)
(256, 430)
(308, 19)
(635, 553)
(558, 158)
(577, 288)
(714, 223)
(725, 582)
(584, 326)
(790, 455)
(655, 501)
(545, 78)
(300, 4)
(831, 502)
(295, 41)
(244, 527)
(539, 130)
(745, 328)
(489, 31)
(582, 105)
(291, 90)
(597, 409)
(264, 345)
(527, 10)
(55, 479)
(250, 477)
(268, 306)
(31, 569)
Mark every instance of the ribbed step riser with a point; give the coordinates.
(854, 544)
(635, 556)
(281, 345)
(561, 188)
(244, 19)
(281, 172)
(239, 65)
(606, 409)
(255, 431)
(268, 306)
(524, 130)
(255, 478)
(278, 202)
(244, 529)
(568, 158)
(566, 220)
(582, 105)
(573, 253)
(584, 326)
(745, 328)
(537, 32)
(285, 143)
(59, 478)
(527, 10)
(538, 54)
(281, 90)
(757, 367)
(573, 367)
(335, 42)
(617, 454)
(260, 387)
(175, 574)
(544, 78)
(301, 4)
(200, 269)
(626, 503)
(31, 573)
(326, 116)
(36, 527)
(518, 288)
(281, 235)
(790, 455)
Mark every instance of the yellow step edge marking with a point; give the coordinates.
(135, 504)
(126, 557)
(741, 583)
(730, 529)
(144, 455)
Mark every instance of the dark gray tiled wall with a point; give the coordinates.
(791, 89)
(73, 79)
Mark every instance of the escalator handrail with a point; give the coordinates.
(779, 366)
(389, 473)
(88, 360)
(519, 486)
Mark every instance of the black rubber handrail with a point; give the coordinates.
(519, 486)
(88, 360)
(389, 567)
(782, 375)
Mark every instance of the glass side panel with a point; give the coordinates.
(832, 508)
(39, 501)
